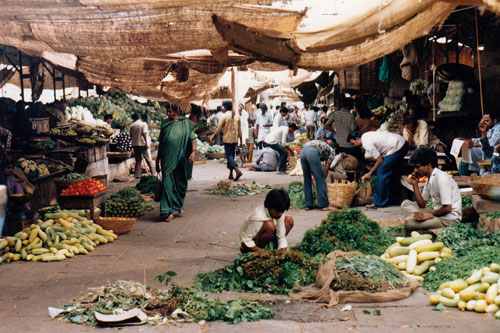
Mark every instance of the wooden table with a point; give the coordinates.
(83, 202)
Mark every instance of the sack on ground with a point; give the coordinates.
(364, 194)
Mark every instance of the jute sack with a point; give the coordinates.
(320, 291)
(363, 195)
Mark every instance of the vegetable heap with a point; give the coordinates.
(207, 148)
(466, 202)
(86, 141)
(74, 176)
(367, 273)
(262, 272)
(128, 202)
(87, 187)
(175, 304)
(46, 144)
(415, 255)
(296, 193)
(31, 169)
(346, 230)
(453, 99)
(147, 184)
(123, 142)
(480, 292)
(228, 189)
(461, 238)
(61, 235)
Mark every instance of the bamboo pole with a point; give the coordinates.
(479, 64)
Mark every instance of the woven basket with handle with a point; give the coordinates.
(119, 226)
(486, 186)
(340, 193)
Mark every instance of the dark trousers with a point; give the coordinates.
(388, 174)
(282, 159)
(230, 151)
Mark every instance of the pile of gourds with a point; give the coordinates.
(479, 293)
(416, 255)
(59, 236)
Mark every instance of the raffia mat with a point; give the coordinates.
(320, 291)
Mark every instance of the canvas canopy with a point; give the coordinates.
(136, 44)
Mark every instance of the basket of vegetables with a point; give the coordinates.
(68, 180)
(119, 225)
(83, 130)
(86, 142)
(486, 186)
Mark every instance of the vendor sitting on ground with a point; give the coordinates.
(440, 187)
(267, 160)
(276, 140)
(417, 134)
(482, 148)
(267, 224)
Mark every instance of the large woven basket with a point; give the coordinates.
(341, 193)
(60, 183)
(119, 226)
(487, 186)
(216, 155)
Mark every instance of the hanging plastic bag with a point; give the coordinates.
(385, 71)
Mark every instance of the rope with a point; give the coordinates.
(479, 64)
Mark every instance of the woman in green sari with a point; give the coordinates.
(176, 153)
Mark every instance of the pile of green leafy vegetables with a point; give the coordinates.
(466, 202)
(297, 197)
(368, 273)
(461, 267)
(147, 184)
(161, 305)
(262, 272)
(227, 189)
(461, 238)
(346, 230)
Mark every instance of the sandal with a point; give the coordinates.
(230, 177)
(238, 176)
(309, 208)
(180, 213)
(170, 217)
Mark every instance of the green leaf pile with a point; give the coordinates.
(346, 230)
(461, 238)
(296, 193)
(147, 184)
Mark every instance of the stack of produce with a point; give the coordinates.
(81, 113)
(419, 88)
(31, 169)
(415, 255)
(74, 176)
(86, 141)
(346, 230)
(147, 184)
(46, 144)
(128, 202)
(296, 193)
(462, 238)
(176, 304)
(453, 99)
(123, 142)
(55, 131)
(228, 189)
(87, 187)
(480, 292)
(59, 236)
(69, 133)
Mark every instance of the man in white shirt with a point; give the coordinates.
(140, 144)
(218, 117)
(281, 118)
(311, 118)
(276, 140)
(263, 125)
(389, 150)
(267, 224)
(440, 187)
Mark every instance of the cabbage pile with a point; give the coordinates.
(453, 98)
(83, 114)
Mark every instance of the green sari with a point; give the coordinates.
(173, 152)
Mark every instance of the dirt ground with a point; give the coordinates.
(206, 239)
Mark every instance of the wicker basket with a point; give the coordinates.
(341, 193)
(216, 155)
(484, 164)
(119, 226)
(487, 186)
(60, 183)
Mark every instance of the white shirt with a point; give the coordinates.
(244, 126)
(277, 135)
(264, 119)
(311, 117)
(279, 121)
(253, 223)
(443, 190)
(218, 117)
(137, 129)
(382, 143)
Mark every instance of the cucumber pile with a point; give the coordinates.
(127, 203)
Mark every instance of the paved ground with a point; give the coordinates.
(205, 239)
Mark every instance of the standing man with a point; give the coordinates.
(482, 148)
(389, 150)
(263, 125)
(277, 141)
(218, 116)
(440, 187)
(281, 118)
(311, 119)
(344, 124)
(138, 133)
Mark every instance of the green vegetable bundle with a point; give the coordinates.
(346, 230)
(296, 193)
(73, 176)
(262, 272)
(128, 202)
(147, 184)
(461, 267)
(461, 238)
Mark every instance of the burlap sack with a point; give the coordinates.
(320, 291)
(363, 195)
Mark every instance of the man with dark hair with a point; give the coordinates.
(263, 125)
(344, 124)
(482, 148)
(389, 150)
(140, 144)
(267, 224)
(281, 118)
(277, 140)
(440, 187)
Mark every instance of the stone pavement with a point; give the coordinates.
(205, 239)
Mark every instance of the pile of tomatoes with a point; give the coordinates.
(87, 187)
